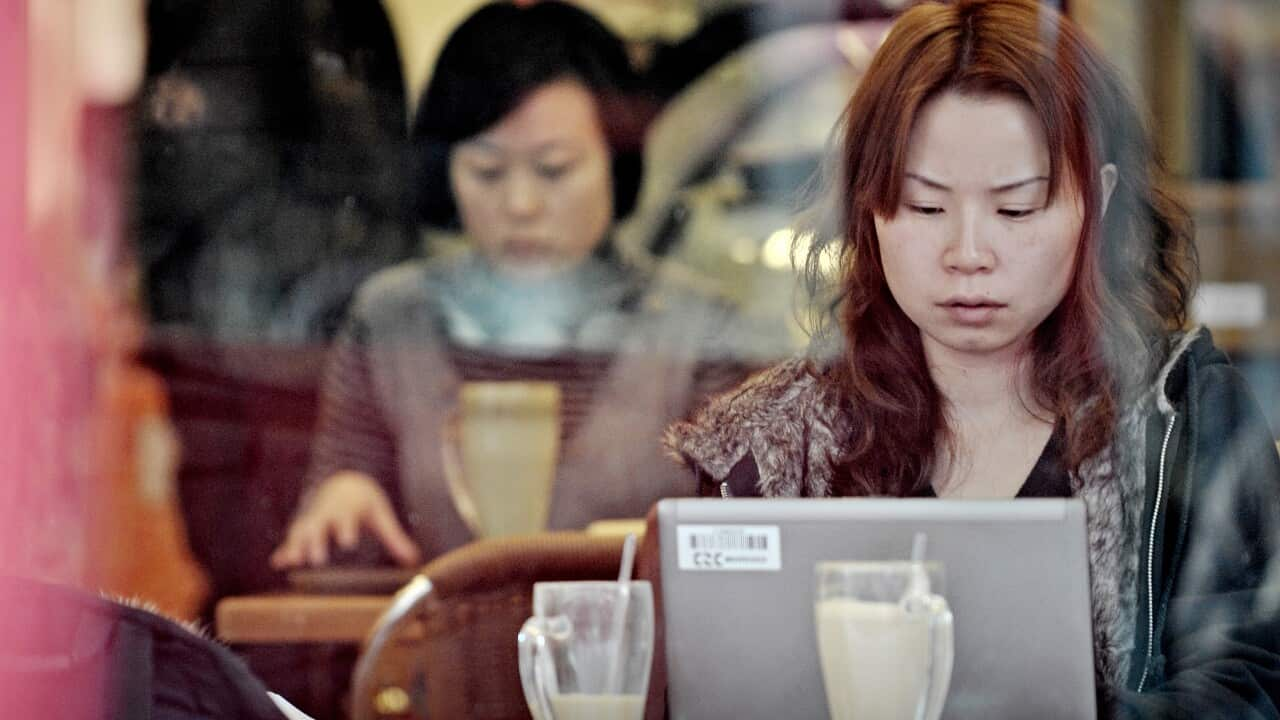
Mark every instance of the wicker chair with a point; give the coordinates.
(447, 646)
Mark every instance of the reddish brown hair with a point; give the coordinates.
(1134, 272)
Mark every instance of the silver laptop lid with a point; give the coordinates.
(737, 587)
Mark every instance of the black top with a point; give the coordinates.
(1048, 479)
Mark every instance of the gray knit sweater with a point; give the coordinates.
(393, 376)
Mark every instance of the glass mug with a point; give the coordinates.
(885, 639)
(585, 653)
(499, 448)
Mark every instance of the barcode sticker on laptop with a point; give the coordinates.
(729, 547)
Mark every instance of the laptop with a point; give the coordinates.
(738, 589)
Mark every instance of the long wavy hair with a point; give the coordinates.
(1135, 268)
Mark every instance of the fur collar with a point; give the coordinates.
(792, 422)
(150, 608)
(787, 417)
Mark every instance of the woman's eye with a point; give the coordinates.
(1016, 213)
(925, 209)
(553, 172)
(486, 174)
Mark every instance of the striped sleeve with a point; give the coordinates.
(352, 432)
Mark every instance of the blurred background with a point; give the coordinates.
(199, 230)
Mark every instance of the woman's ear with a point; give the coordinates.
(1108, 176)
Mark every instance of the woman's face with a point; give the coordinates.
(976, 256)
(535, 191)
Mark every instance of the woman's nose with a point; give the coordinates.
(968, 249)
(522, 195)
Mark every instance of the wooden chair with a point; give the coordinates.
(446, 648)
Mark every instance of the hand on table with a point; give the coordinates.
(343, 505)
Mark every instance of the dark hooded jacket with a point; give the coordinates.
(1183, 522)
(69, 655)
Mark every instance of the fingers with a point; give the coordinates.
(382, 520)
(346, 531)
(317, 547)
(289, 554)
(344, 504)
(306, 544)
(284, 557)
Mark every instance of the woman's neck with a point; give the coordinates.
(984, 388)
(997, 430)
(482, 307)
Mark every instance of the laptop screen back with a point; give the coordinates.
(738, 589)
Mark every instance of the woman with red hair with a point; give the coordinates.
(1009, 319)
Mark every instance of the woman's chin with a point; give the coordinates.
(976, 342)
(533, 271)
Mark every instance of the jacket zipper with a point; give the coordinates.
(724, 489)
(1151, 551)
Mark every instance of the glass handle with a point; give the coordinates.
(942, 641)
(537, 670)
(451, 460)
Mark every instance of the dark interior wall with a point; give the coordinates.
(270, 144)
(268, 184)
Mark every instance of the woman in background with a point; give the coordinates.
(529, 137)
(1011, 311)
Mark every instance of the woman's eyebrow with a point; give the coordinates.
(481, 145)
(927, 182)
(563, 145)
(1002, 188)
(1006, 187)
(491, 146)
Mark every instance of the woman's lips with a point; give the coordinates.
(529, 250)
(965, 311)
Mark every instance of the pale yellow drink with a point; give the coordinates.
(581, 706)
(509, 442)
(875, 659)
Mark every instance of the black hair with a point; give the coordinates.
(493, 61)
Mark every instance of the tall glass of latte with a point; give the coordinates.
(500, 448)
(884, 639)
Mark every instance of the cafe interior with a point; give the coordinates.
(208, 204)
